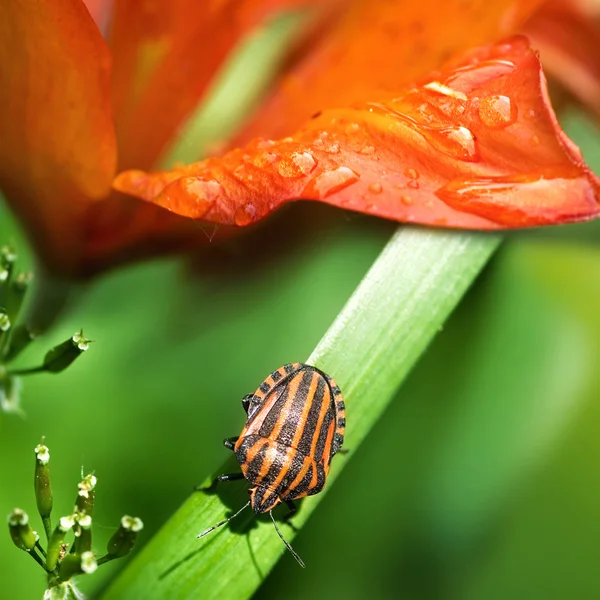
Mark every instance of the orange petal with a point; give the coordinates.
(166, 54)
(58, 147)
(475, 145)
(567, 33)
(379, 46)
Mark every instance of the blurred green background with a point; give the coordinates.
(481, 482)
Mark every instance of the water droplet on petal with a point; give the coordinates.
(455, 141)
(413, 184)
(534, 140)
(411, 173)
(318, 143)
(497, 112)
(440, 88)
(406, 200)
(333, 149)
(244, 215)
(352, 128)
(330, 182)
(476, 74)
(265, 159)
(204, 194)
(297, 164)
(505, 199)
(368, 150)
(287, 140)
(264, 144)
(375, 188)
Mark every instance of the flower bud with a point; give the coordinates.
(60, 357)
(76, 564)
(86, 494)
(20, 531)
(83, 533)
(43, 489)
(7, 263)
(123, 540)
(55, 544)
(4, 322)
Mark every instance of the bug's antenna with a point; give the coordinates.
(286, 544)
(226, 521)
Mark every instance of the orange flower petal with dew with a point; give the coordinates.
(58, 150)
(475, 145)
(380, 46)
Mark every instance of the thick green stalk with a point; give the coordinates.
(388, 322)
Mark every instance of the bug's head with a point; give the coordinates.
(262, 499)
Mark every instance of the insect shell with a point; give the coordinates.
(296, 422)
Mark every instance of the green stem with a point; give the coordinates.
(37, 558)
(393, 315)
(29, 371)
(106, 558)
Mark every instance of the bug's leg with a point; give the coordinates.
(229, 477)
(229, 443)
(246, 401)
(220, 479)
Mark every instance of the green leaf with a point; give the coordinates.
(386, 325)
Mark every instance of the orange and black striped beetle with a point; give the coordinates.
(296, 423)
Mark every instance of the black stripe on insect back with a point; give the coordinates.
(255, 465)
(305, 443)
(291, 419)
(300, 489)
(278, 397)
(322, 433)
(294, 468)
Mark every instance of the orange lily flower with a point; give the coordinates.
(471, 143)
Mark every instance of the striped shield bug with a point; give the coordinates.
(295, 425)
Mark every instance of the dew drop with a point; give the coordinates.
(497, 112)
(413, 184)
(265, 144)
(368, 150)
(486, 70)
(375, 188)
(352, 128)
(265, 159)
(406, 200)
(333, 149)
(318, 143)
(287, 140)
(297, 164)
(411, 173)
(489, 191)
(330, 182)
(244, 215)
(204, 192)
(455, 141)
(370, 207)
(534, 140)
